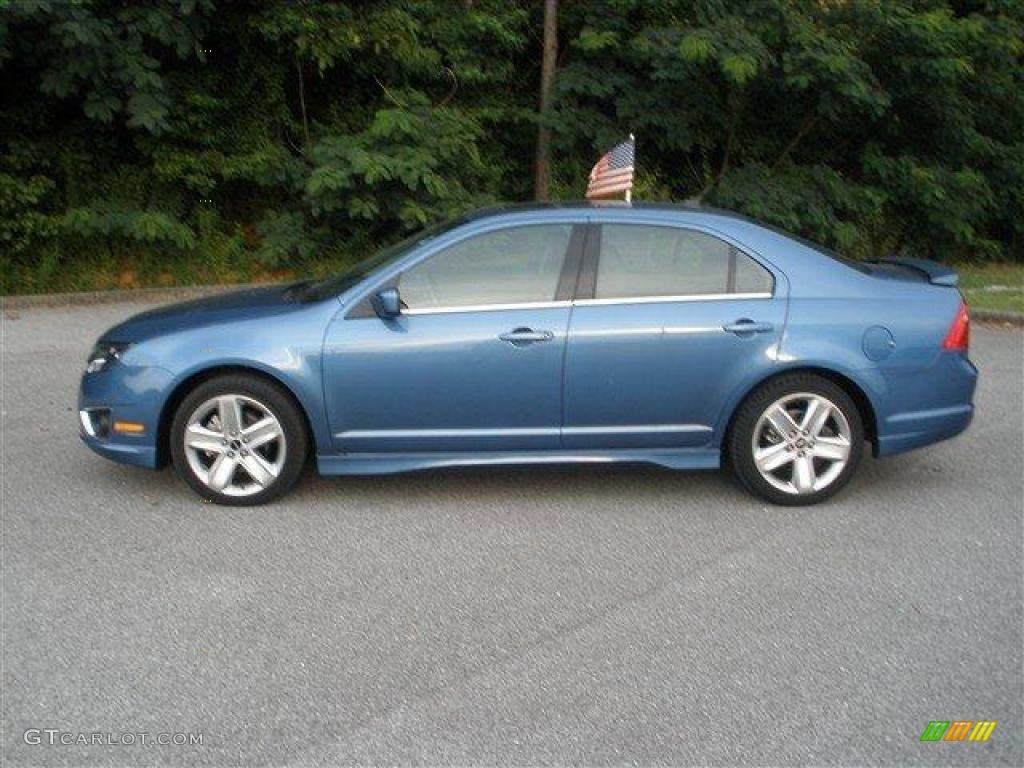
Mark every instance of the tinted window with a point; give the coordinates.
(751, 277)
(510, 266)
(639, 261)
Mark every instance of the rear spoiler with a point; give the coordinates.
(937, 273)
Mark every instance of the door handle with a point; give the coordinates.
(745, 326)
(522, 336)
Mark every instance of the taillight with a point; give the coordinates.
(959, 335)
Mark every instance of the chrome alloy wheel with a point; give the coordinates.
(801, 443)
(235, 445)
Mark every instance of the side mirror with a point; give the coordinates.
(387, 303)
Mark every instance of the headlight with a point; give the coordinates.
(103, 354)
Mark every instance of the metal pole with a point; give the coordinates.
(629, 192)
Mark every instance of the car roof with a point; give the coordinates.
(726, 222)
(602, 206)
(611, 210)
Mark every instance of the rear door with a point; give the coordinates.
(668, 321)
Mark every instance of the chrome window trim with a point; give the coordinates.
(673, 299)
(487, 307)
(586, 303)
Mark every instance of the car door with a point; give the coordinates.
(668, 322)
(474, 360)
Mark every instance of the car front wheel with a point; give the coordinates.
(796, 440)
(238, 440)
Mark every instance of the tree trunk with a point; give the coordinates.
(542, 161)
(302, 100)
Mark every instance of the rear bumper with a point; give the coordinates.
(925, 428)
(938, 404)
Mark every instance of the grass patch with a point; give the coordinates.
(998, 287)
(104, 271)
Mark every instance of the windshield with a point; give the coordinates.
(336, 284)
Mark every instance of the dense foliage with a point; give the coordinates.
(299, 133)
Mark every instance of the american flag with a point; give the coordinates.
(613, 172)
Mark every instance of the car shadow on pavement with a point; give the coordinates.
(556, 485)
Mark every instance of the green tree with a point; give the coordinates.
(266, 134)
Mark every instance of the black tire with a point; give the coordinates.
(274, 399)
(740, 448)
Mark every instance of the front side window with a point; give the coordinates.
(509, 266)
(641, 261)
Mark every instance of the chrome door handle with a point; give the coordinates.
(522, 336)
(745, 326)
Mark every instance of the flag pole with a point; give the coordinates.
(629, 192)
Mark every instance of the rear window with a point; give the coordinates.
(851, 263)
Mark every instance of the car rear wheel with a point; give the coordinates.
(238, 440)
(796, 440)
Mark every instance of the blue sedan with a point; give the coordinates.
(668, 335)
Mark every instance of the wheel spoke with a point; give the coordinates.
(229, 409)
(226, 455)
(815, 448)
(816, 416)
(262, 432)
(202, 439)
(258, 469)
(222, 471)
(831, 448)
(803, 474)
(781, 421)
(772, 457)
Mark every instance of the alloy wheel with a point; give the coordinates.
(235, 445)
(801, 443)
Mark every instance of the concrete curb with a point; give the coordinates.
(143, 295)
(995, 316)
(150, 295)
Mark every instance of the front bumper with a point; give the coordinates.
(123, 394)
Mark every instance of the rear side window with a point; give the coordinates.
(750, 277)
(639, 261)
(510, 266)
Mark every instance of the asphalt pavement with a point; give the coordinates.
(544, 616)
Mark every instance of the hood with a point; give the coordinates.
(212, 310)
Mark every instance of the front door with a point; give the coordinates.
(473, 362)
(673, 320)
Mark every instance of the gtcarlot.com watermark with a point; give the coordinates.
(54, 737)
